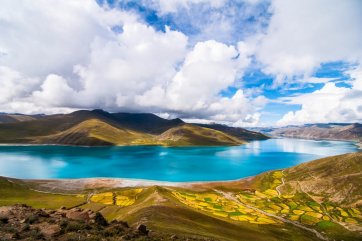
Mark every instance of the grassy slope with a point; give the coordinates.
(160, 211)
(337, 179)
(159, 208)
(188, 134)
(97, 127)
(238, 132)
(95, 131)
(14, 191)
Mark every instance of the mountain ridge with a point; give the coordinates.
(327, 131)
(79, 128)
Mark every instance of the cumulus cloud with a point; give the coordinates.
(329, 104)
(67, 57)
(38, 38)
(303, 34)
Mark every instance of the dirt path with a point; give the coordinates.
(297, 224)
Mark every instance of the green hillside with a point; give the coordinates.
(236, 132)
(99, 128)
(276, 205)
(189, 135)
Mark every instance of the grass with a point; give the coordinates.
(202, 212)
(13, 193)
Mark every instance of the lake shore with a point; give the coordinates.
(79, 184)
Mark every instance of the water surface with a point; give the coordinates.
(179, 164)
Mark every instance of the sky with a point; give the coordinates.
(244, 63)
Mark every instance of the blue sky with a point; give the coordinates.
(242, 63)
(243, 27)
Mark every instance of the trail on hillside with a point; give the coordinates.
(299, 225)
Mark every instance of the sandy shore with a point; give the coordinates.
(75, 185)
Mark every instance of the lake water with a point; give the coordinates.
(179, 164)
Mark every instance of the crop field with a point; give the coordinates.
(217, 205)
(296, 207)
(121, 198)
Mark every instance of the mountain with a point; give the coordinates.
(189, 135)
(317, 200)
(330, 131)
(145, 122)
(11, 118)
(98, 127)
(236, 131)
(95, 132)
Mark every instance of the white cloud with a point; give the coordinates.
(14, 84)
(66, 57)
(38, 38)
(303, 34)
(167, 6)
(329, 104)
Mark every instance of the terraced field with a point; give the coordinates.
(218, 205)
(122, 198)
(299, 206)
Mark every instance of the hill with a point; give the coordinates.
(318, 200)
(336, 179)
(95, 132)
(236, 131)
(189, 135)
(98, 127)
(332, 131)
(11, 118)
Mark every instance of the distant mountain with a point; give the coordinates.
(189, 134)
(332, 131)
(11, 118)
(99, 127)
(236, 131)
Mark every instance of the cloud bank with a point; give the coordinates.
(68, 55)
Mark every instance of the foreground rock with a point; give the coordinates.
(21, 222)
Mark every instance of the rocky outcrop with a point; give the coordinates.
(21, 222)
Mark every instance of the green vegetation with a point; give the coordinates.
(191, 135)
(13, 192)
(100, 128)
(271, 206)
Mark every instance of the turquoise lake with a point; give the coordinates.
(176, 164)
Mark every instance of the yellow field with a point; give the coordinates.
(120, 198)
(217, 205)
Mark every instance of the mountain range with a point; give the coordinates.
(328, 131)
(101, 128)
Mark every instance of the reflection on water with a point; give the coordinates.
(160, 163)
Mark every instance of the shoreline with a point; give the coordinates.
(124, 182)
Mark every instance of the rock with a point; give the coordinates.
(63, 208)
(49, 230)
(142, 229)
(76, 215)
